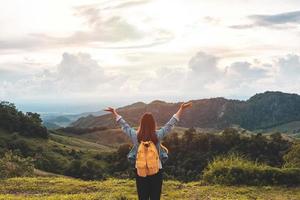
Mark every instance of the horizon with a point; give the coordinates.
(74, 109)
(79, 56)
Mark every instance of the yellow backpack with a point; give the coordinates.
(147, 159)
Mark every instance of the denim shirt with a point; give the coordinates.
(131, 133)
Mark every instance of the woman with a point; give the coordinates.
(149, 186)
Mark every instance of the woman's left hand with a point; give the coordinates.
(112, 110)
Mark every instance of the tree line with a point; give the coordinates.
(27, 124)
(190, 153)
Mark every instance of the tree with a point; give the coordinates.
(29, 124)
(292, 158)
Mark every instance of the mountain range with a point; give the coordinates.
(54, 121)
(261, 111)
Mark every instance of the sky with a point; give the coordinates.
(75, 55)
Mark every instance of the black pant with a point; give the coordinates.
(149, 187)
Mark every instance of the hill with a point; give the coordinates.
(54, 121)
(261, 111)
(124, 189)
(114, 137)
(58, 153)
(55, 141)
(291, 128)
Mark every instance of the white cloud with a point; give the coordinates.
(245, 71)
(109, 29)
(80, 73)
(204, 78)
(163, 81)
(76, 75)
(100, 29)
(288, 73)
(79, 76)
(143, 48)
(202, 70)
(204, 64)
(289, 65)
(281, 20)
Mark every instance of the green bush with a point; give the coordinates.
(27, 124)
(52, 162)
(237, 170)
(292, 158)
(14, 166)
(88, 170)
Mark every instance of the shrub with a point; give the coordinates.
(20, 145)
(80, 131)
(52, 162)
(13, 166)
(88, 170)
(292, 158)
(237, 170)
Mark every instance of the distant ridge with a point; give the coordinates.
(262, 110)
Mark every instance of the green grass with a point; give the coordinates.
(112, 137)
(66, 188)
(285, 128)
(77, 144)
(236, 170)
(62, 141)
(56, 153)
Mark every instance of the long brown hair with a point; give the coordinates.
(147, 128)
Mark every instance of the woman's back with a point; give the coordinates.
(150, 185)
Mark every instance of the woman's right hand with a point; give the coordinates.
(185, 105)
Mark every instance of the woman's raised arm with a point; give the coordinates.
(127, 129)
(162, 132)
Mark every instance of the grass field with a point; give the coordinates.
(59, 188)
(63, 141)
(112, 138)
(77, 144)
(291, 129)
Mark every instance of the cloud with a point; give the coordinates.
(115, 29)
(80, 72)
(282, 18)
(164, 81)
(27, 42)
(203, 63)
(12, 75)
(106, 30)
(76, 75)
(275, 20)
(112, 29)
(289, 65)
(202, 70)
(246, 71)
(80, 76)
(211, 20)
(202, 77)
(242, 26)
(288, 70)
(125, 4)
(244, 78)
